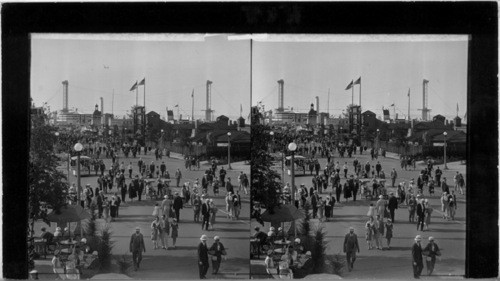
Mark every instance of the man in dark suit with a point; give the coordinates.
(137, 247)
(393, 205)
(314, 203)
(177, 205)
(416, 253)
(420, 213)
(205, 212)
(351, 246)
(203, 257)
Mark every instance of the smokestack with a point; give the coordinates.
(281, 86)
(65, 95)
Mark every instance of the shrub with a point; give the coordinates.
(318, 249)
(104, 249)
(337, 264)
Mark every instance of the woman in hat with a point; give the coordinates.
(412, 207)
(174, 231)
(213, 211)
(328, 208)
(431, 251)
(369, 232)
(196, 207)
(165, 231)
(113, 207)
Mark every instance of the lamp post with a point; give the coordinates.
(378, 140)
(161, 139)
(292, 147)
(229, 151)
(78, 148)
(445, 134)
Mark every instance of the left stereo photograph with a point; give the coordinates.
(139, 156)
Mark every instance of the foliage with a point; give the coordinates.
(47, 186)
(336, 264)
(305, 227)
(104, 249)
(124, 264)
(265, 181)
(319, 247)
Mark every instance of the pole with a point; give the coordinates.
(409, 104)
(328, 105)
(293, 191)
(352, 95)
(78, 189)
(136, 94)
(251, 53)
(229, 152)
(192, 106)
(144, 95)
(112, 104)
(360, 95)
(445, 167)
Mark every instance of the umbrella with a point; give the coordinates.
(295, 157)
(70, 213)
(110, 276)
(322, 276)
(81, 158)
(283, 213)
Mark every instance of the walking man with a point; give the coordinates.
(178, 176)
(416, 253)
(350, 247)
(393, 205)
(205, 212)
(431, 250)
(420, 213)
(203, 257)
(177, 205)
(394, 176)
(218, 251)
(137, 247)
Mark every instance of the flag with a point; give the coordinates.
(143, 82)
(358, 82)
(192, 94)
(408, 91)
(134, 86)
(392, 104)
(349, 86)
(176, 105)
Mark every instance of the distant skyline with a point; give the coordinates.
(96, 68)
(387, 70)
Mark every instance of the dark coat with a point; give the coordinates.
(351, 243)
(205, 210)
(203, 253)
(420, 210)
(416, 253)
(178, 203)
(393, 203)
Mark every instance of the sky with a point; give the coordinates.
(173, 69)
(388, 70)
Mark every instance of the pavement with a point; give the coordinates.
(181, 262)
(396, 262)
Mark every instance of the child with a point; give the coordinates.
(174, 231)
(371, 211)
(388, 232)
(369, 233)
(157, 211)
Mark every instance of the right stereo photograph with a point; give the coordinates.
(358, 158)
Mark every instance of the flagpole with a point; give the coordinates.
(136, 94)
(328, 104)
(192, 106)
(409, 104)
(144, 95)
(352, 95)
(360, 94)
(112, 104)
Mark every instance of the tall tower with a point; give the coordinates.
(65, 96)
(281, 86)
(425, 110)
(208, 110)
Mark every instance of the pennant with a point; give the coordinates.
(392, 104)
(358, 82)
(134, 86)
(143, 82)
(349, 86)
(176, 105)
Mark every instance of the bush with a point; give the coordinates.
(318, 249)
(337, 264)
(104, 249)
(124, 264)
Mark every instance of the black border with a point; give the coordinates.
(478, 19)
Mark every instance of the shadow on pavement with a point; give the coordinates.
(232, 230)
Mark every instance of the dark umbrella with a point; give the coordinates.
(68, 214)
(283, 213)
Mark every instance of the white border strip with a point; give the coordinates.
(348, 38)
(122, 36)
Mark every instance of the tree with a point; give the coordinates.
(265, 181)
(47, 186)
